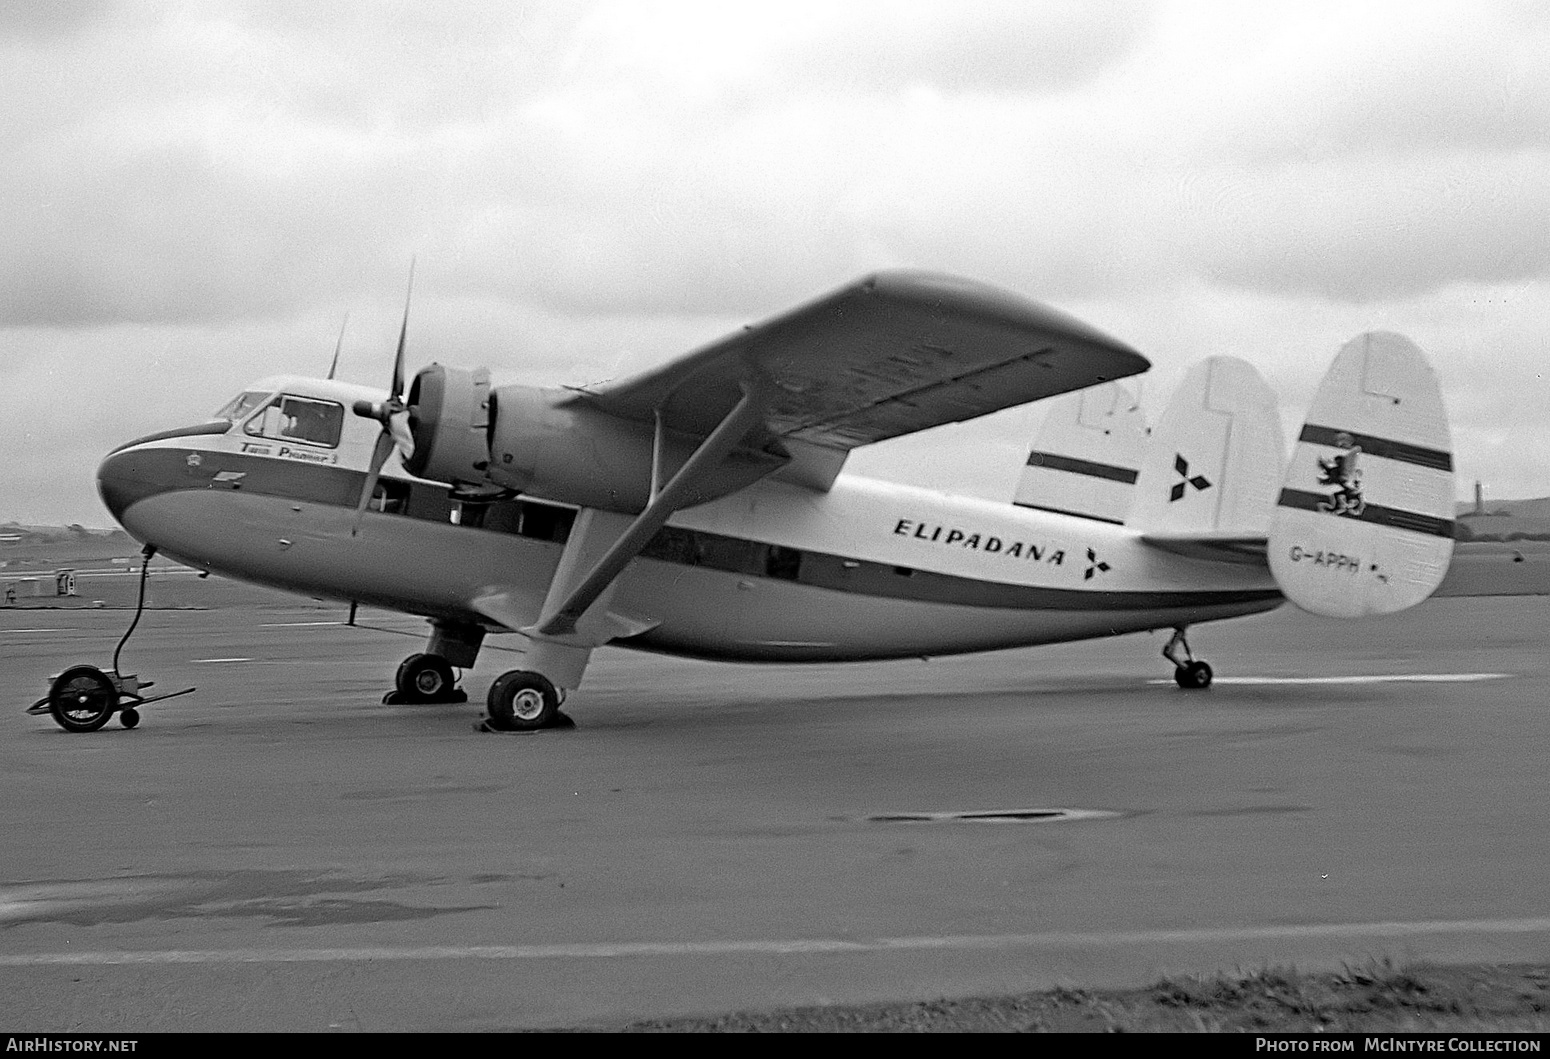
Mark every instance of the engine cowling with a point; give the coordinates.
(449, 417)
(550, 443)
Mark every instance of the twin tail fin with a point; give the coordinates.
(1358, 522)
(1211, 471)
(1086, 457)
(1363, 523)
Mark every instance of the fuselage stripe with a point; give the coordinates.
(1403, 451)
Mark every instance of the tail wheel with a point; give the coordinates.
(520, 701)
(82, 698)
(1193, 675)
(424, 678)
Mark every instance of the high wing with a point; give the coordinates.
(890, 354)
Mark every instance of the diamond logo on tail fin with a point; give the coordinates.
(1199, 481)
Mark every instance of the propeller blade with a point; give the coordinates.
(403, 333)
(398, 426)
(379, 455)
(338, 346)
(390, 413)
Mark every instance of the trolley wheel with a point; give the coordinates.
(129, 717)
(82, 698)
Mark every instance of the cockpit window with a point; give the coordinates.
(241, 405)
(299, 419)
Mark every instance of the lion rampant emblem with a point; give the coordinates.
(1341, 472)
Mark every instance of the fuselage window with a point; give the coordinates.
(730, 554)
(672, 545)
(545, 523)
(299, 419)
(783, 563)
(241, 405)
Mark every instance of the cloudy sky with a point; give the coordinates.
(195, 194)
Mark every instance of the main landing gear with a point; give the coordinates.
(1189, 672)
(425, 678)
(428, 677)
(520, 701)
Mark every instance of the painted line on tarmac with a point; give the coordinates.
(792, 947)
(38, 630)
(156, 571)
(1369, 678)
(295, 624)
(200, 661)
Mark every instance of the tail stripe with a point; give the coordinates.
(1404, 452)
(1088, 467)
(1304, 500)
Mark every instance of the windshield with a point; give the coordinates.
(295, 418)
(241, 405)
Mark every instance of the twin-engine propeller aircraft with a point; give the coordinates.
(698, 508)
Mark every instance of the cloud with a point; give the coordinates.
(1367, 79)
(711, 53)
(1365, 229)
(199, 192)
(31, 23)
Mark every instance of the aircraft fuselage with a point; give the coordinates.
(775, 572)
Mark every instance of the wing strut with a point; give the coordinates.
(658, 443)
(559, 618)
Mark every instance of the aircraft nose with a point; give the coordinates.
(124, 478)
(139, 469)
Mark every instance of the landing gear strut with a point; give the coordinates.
(428, 676)
(1189, 672)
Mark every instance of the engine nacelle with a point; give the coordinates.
(551, 443)
(449, 416)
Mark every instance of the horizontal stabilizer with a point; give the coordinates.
(1364, 521)
(1214, 460)
(1087, 455)
(1225, 547)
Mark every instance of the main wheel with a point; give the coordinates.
(1193, 675)
(82, 698)
(424, 678)
(520, 701)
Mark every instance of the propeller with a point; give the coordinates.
(338, 346)
(392, 414)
